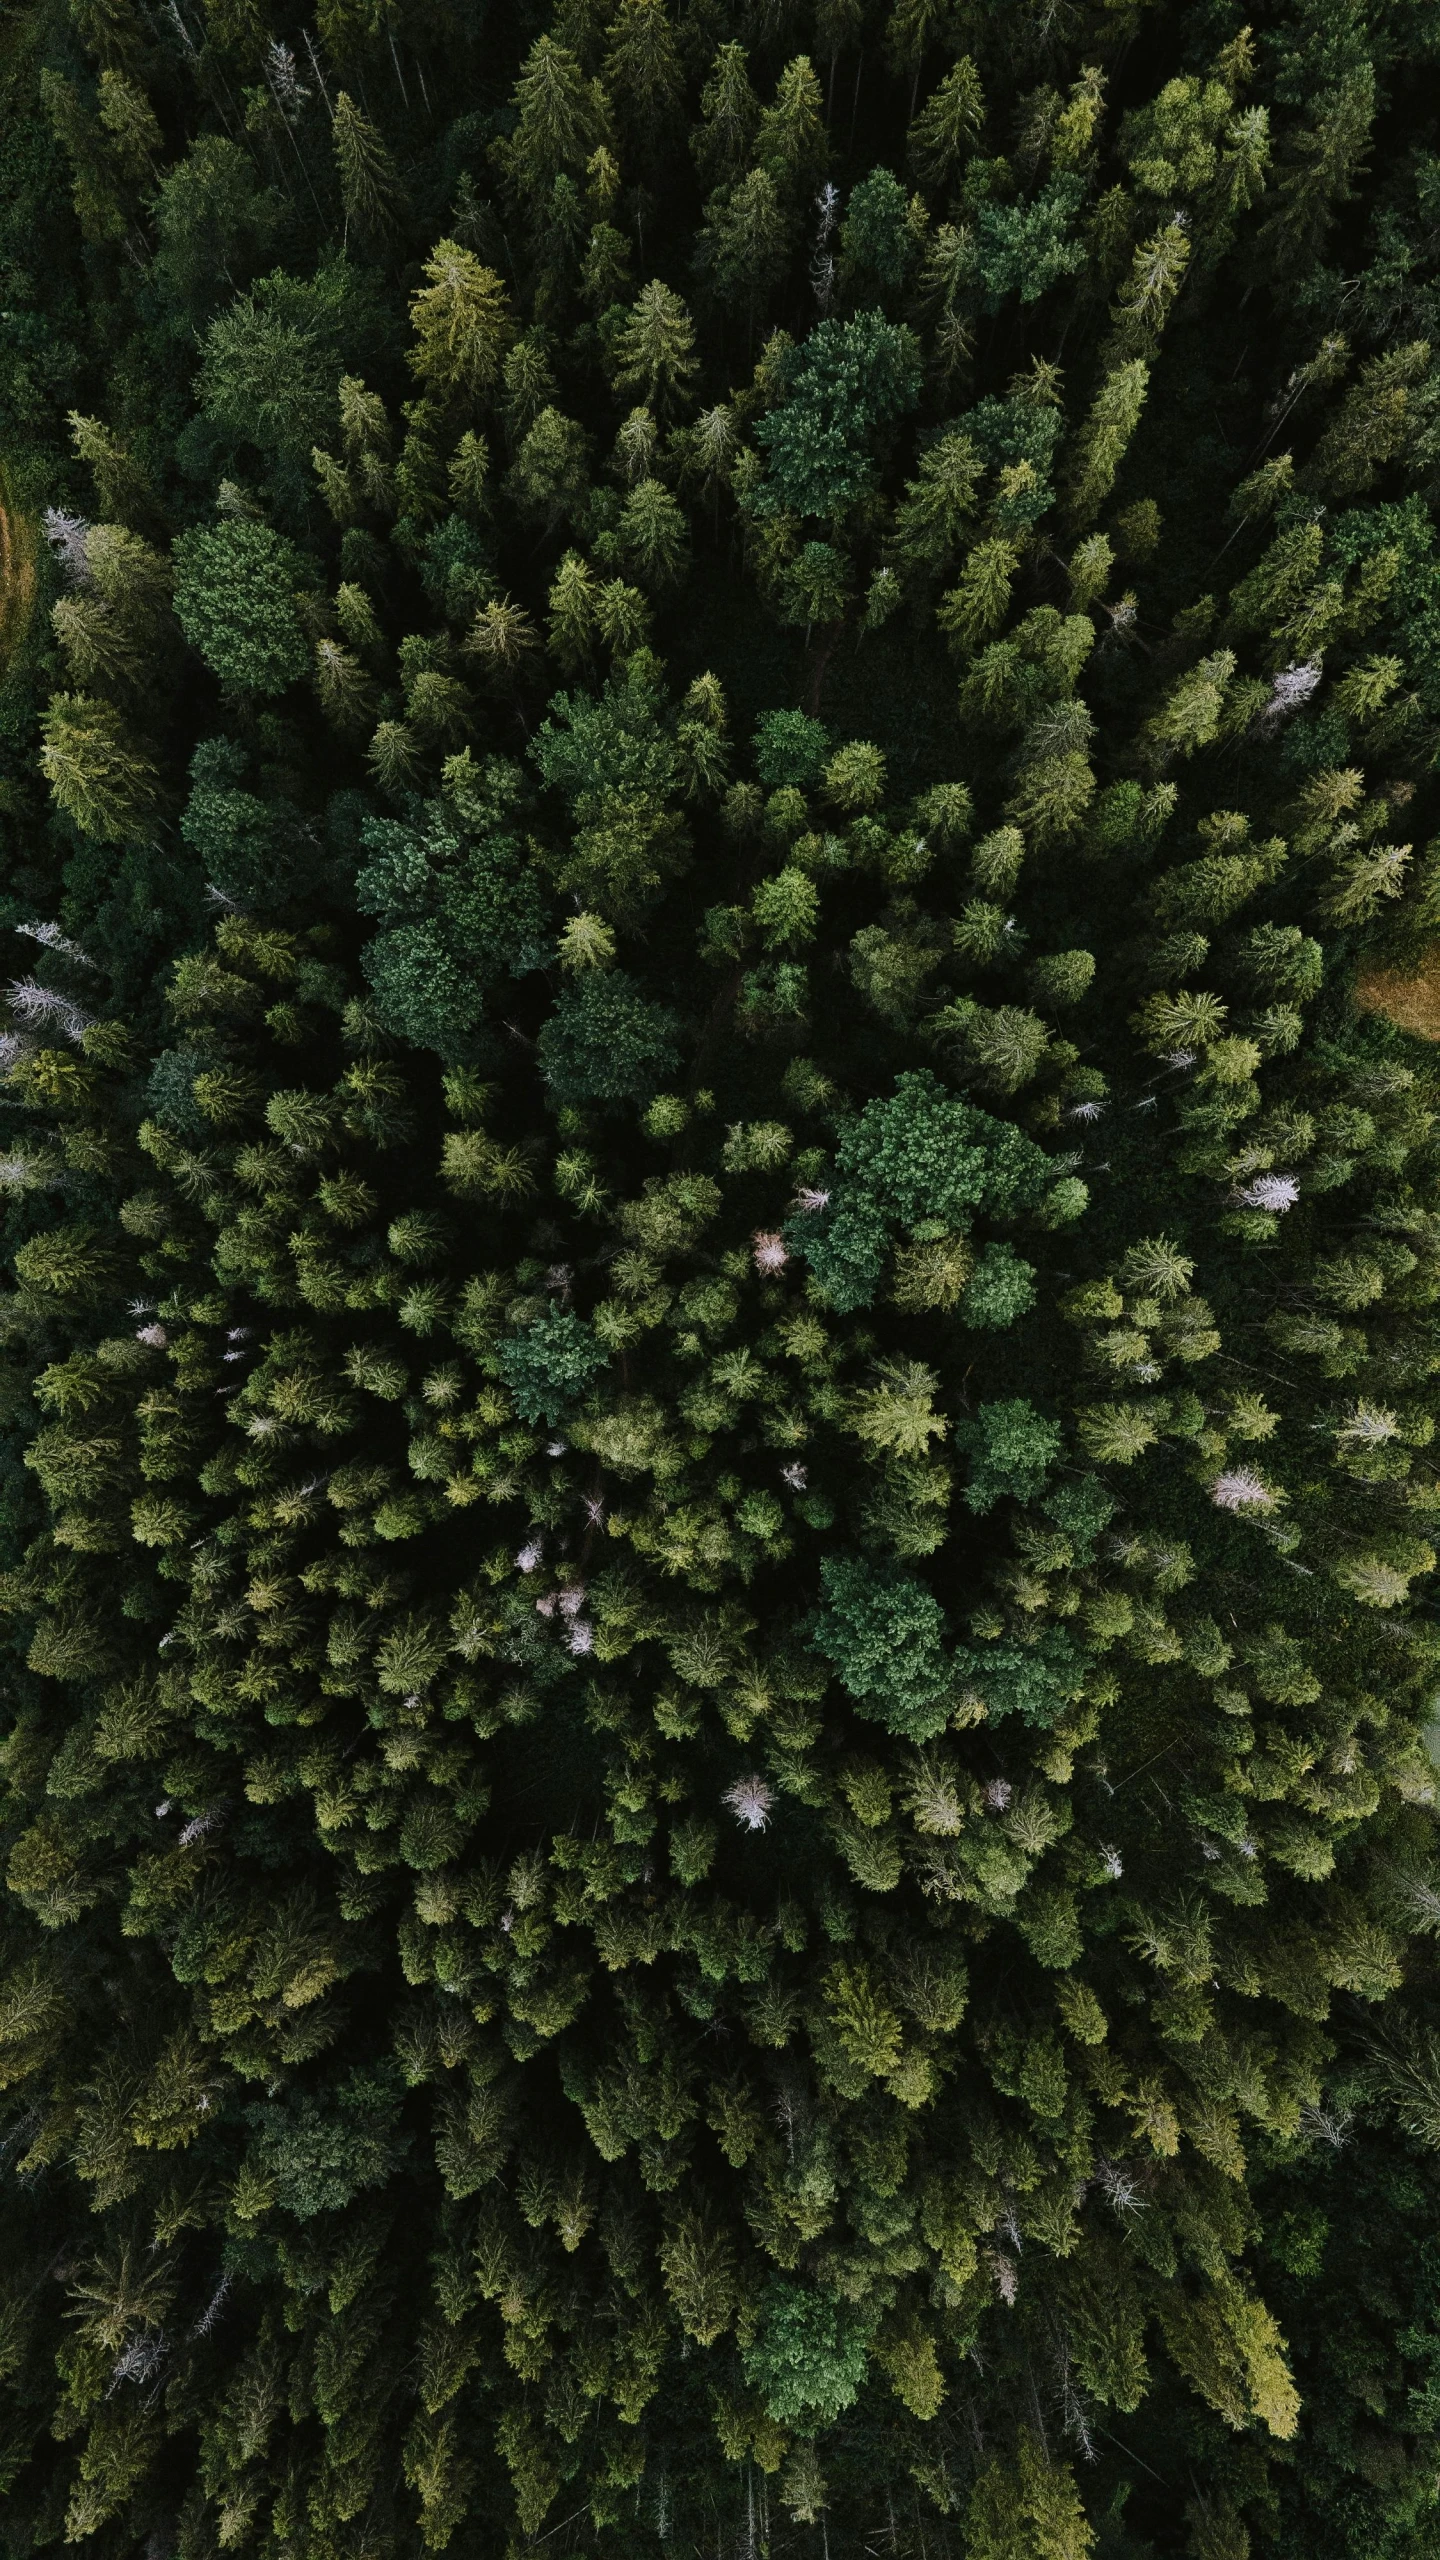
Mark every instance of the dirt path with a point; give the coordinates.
(17, 573)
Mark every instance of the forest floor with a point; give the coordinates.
(1409, 997)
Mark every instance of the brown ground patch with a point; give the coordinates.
(1410, 997)
(17, 574)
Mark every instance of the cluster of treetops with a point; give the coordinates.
(722, 1279)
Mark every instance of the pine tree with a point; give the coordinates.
(369, 189)
(1102, 440)
(1325, 158)
(98, 777)
(562, 120)
(643, 75)
(653, 353)
(116, 625)
(462, 325)
(948, 125)
(730, 112)
(745, 244)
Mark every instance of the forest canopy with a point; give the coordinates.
(721, 897)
